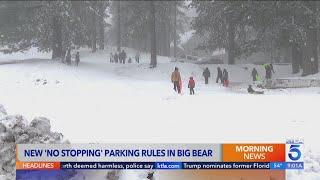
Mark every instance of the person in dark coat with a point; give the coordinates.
(64, 52)
(268, 71)
(123, 56)
(137, 57)
(271, 67)
(77, 59)
(111, 58)
(68, 57)
(225, 76)
(206, 75)
(250, 89)
(116, 57)
(191, 85)
(219, 75)
(120, 57)
(254, 74)
(150, 176)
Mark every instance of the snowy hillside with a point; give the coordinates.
(18, 56)
(104, 102)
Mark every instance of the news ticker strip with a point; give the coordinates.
(277, 156)
(158, 165)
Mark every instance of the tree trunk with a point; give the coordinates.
(94, 31)
(118, 27)
(165, 40)
(101, 27)
(175, 31)
(296, 58)
(286, 45)
(125, 36)
(314, 51)
(306, 63)
(158, 37)
(153, 51)
(56, 38)
(169, 36)
(310, 61)
(231, 42)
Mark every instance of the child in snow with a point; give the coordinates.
(191, 85)
(129, 60)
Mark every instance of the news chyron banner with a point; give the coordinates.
(160, 161)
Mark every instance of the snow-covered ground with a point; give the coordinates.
(18, 56)
(104, 102)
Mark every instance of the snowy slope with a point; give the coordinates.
(31, 53)
(103, 102)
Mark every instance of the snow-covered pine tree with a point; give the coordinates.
(50, 25)
(220, 23)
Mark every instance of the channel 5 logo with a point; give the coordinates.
(294, 150)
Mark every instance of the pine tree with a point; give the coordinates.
(219, 22)
(118, 26)
(51, 25)
(135, 25)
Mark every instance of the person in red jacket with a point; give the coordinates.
(191, 85)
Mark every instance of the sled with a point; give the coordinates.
(180, 86)
(257, 92)
(226, 83)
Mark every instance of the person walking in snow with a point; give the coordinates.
(225, 75)
(64, 53)
(120, 57)
(219, 75)
(206, 75)
(68, 57)
(137, 57)
(271, 67)
(268, 69)
(111, 58)
(116, 57)
(254, 74)
(123, 56)
(191, 85)
(176, 79)
(129, 60)
(77, 59)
